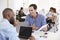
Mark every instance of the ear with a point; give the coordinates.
(8, 16)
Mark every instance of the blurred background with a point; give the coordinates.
(43, 5)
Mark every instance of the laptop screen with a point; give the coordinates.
(25, 32)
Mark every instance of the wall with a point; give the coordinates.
(3, 4)
(16, 4)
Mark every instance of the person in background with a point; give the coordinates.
(34, 19)
(51, 13)
(43, 12)
(6, 26)
(21, 14)
(51, 17)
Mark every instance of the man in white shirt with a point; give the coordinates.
(6, 26)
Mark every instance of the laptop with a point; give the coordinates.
(25, 32)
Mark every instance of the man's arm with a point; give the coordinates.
(13, 35)
(44, 23)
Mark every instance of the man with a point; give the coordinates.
(6, 26)
(34, 19)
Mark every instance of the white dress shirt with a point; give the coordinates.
(9, 30)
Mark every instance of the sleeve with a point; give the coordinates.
(47, 15)
(43, 20)
(13, 35)
(2, 37)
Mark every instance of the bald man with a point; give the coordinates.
(6, 25)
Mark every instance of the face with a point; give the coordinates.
(52, 11)
(32, 11)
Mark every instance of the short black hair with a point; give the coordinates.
(5, 11)
(54, 9)
(34, 6)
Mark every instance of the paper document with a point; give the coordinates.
(42, 27)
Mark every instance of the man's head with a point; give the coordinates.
(8, 14)
(33, 9)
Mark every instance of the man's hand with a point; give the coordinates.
(16, 22)
(34, 27)
(45, 29)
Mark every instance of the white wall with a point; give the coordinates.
(16, 4)
(42, 4)
(3, 4)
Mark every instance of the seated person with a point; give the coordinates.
(51, 17)
(6, 26)
(34, 19)
(21, 14)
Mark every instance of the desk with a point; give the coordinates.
(38, 34)
(49, 36)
